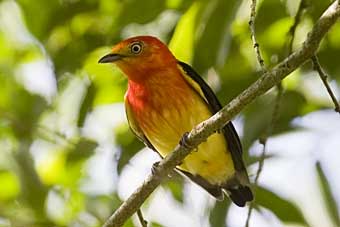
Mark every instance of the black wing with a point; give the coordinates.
(230, 134)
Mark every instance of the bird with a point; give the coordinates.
(165, 99)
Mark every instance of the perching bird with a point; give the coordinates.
(167, 98)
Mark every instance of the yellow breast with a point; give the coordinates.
(166, 126)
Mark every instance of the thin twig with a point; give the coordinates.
(317, 67)
(263, 69)
(142, 221)
(202, 131)
(263, 141)
(277, 105)
(253, 36)
(297, 19)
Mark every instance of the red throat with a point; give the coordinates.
(164, 89)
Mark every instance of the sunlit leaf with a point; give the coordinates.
(178, 4)
(275, 36)
(277, 11)
(52, 169)
(10, 186)
(182, 41)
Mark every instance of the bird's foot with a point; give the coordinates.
(184, 141)
(154, 167)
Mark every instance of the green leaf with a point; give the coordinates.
(182, 41)
(233, 82)
(274, 39)
(258, 115)
(82, 150)
(292, 104)
(330, 201)
(328, 55)
(136, 11)
(316, 8)
(26, 112)
(218, 214)
(38, 24)
(43, 16)
(33, 192)
(215, 33)
(269, 12)
(282, 208)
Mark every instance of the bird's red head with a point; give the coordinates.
(139, 56)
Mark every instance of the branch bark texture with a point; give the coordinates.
(202, 131)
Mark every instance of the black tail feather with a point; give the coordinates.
(240, 195)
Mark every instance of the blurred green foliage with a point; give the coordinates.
(44, 149)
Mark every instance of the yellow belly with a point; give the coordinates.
(211, 160)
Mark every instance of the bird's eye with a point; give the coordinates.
(136, 48)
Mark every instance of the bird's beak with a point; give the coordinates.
(109, 58)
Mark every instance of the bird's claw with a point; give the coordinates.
(184, 141)
(154, 167)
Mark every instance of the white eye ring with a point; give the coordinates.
(136, 48)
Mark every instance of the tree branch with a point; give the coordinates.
(317, 67)
(202, 131)
(256, 45)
